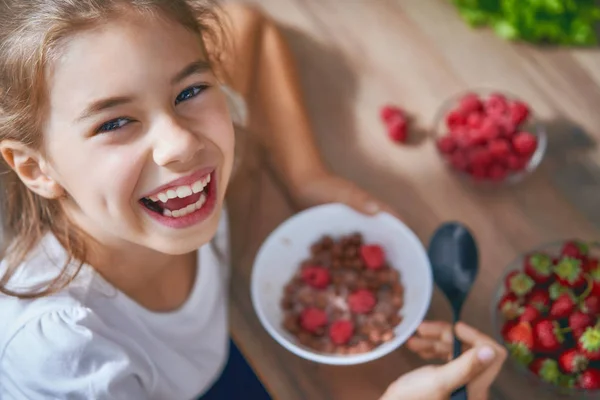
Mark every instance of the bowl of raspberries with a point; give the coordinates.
(547, 313)
(338, 287)
(489, 137)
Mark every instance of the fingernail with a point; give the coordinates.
(486, 354)
(371, 207)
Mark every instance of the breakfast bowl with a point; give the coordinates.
(489, 137)
(544, 304)
(338, 287)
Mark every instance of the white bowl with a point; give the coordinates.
(281, 254)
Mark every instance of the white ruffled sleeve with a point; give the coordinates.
(67, 354)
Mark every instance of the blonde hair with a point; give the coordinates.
(31, 33)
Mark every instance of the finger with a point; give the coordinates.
(472, 337)
(436, 330)
(421, 345)
(465, 368)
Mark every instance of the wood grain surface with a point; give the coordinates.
(356, 55)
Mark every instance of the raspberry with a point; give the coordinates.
(317, 277)
(519, 112)
(474, 120)
(497, 172)
(341, 331)
(388, 111)
(499, 149)
(476, 137)
(490, 129)
(479, 173)
(397, 128)
(496, 104)
(372, 255)
(525, 143)
(455, 119)
(362, 301)
(459, 161)
(313, 319)
(446, 144)
(516, 163)
(480, 157)
(470, 103)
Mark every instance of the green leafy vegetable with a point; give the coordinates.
(562, 22)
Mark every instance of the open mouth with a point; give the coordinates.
(179, 201)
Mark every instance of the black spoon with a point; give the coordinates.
(455, 263)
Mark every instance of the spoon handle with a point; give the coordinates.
(460, 393)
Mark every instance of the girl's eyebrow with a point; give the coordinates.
(195, 67)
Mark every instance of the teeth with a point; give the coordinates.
(186, 210)
(182, 191)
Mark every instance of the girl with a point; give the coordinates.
(116, 128)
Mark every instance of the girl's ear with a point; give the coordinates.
(31, 168)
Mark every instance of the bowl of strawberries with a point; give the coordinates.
(547, 314)
(489, 137)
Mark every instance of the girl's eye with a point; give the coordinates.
(190, 93)
(113, 125)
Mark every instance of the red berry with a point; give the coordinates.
(540, 299)
(539, 267)
(510, 306)
(590, 264)
(589, 343)
(547, 369)
(579, 322)
(446, 144)
(373, 256)
(389, 110)
(313, 319)
(459, 161)
(520, 283)
(397, 129)
(361, 301)
(515, 162)
(474, 120)
(496, 104)
(575, 249)
(589, 380)
(572, 362)
(490, 129)
(476, 137)
(497, 172)
(341, 331)
(480, 157)
(470, 103)
(548, 334)
(455, 119)
(591, 305)
(499, 149)
(518, 112)
(562, 307)
(530, 314)
(315, 276)
(479, 173)
(570, 273)
(524, 143)
(520, 341)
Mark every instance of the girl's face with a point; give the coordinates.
(139, 135)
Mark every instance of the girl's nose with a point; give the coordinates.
(175, 144)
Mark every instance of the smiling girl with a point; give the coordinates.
(117, 130)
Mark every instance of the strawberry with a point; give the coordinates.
(455, 119)
(524, 143)
(389, 111)
(508, 325)
(361, 301)
(579, 322)
(510, 306)
(519, 340)
(519, 112)
(549, 336)
(316, 276)
(313, 319)
(575, 249)
(397, 129)
(570, 273)
(519, 283)
(572, 362)
(446, 144)
(373, 256)
(547, 369)
(540, 299)
(591, 305)
(496, 104)
(341, 331)
(539, 267)
(594, 275)
(589, 380)
(591, 264)
(562, 307)
(557, 289)
(589, 343)
(470, 103)
(529, 314)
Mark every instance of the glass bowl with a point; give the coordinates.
(531, 125)
(553, 250)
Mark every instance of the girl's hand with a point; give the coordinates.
(324, 187)
(477, 367)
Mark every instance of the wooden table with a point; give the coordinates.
(356, 55)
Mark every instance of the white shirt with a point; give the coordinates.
(90, 341)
